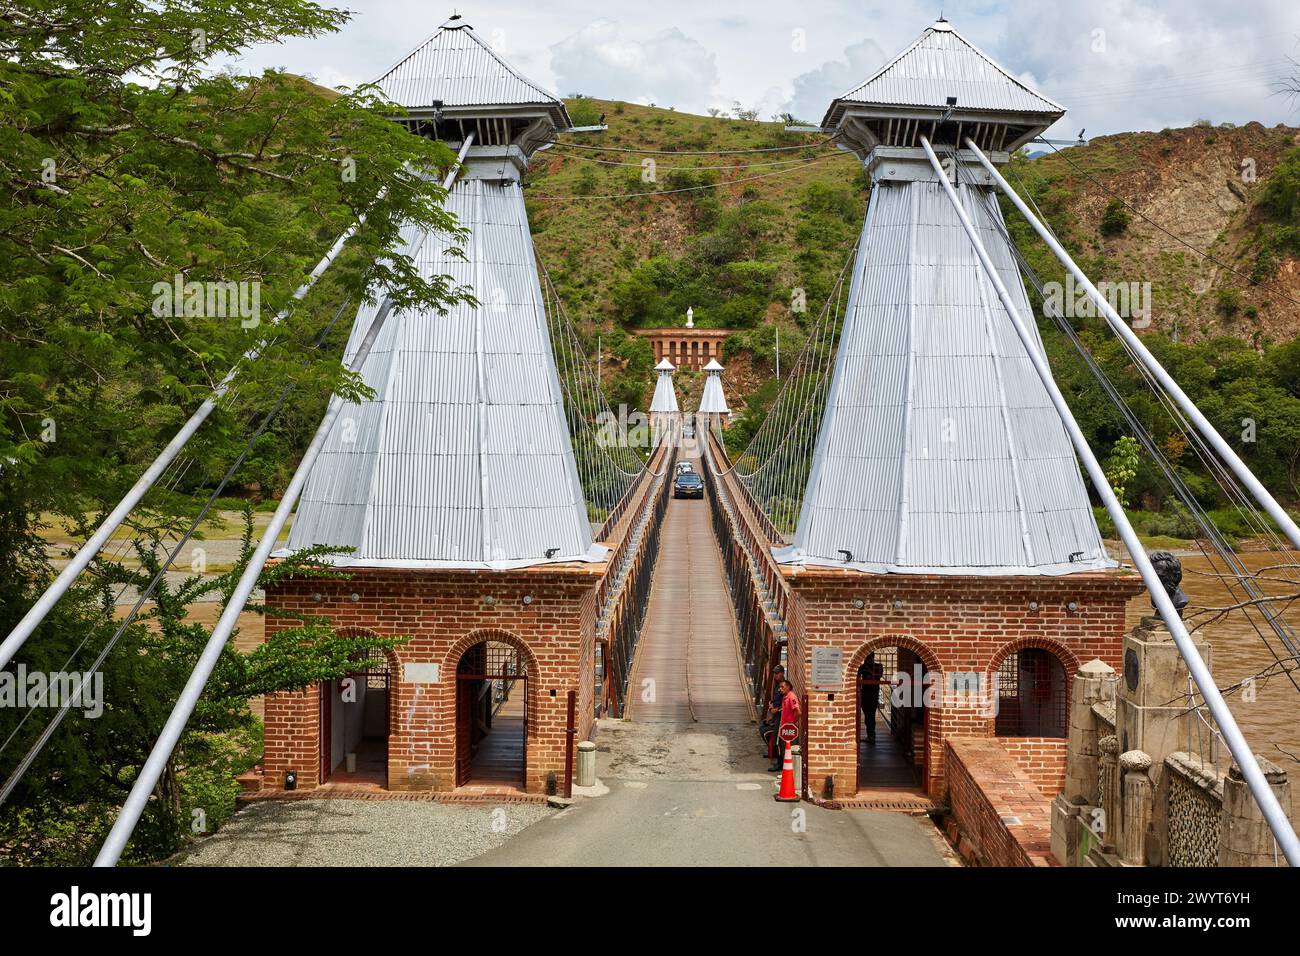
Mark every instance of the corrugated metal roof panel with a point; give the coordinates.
(413, 477)
(943, 63)
(939, 450)
(713, 401)
(665, 397)
(455, 66)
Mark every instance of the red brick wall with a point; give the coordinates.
(986, 788)
(953, 624)
(444, 613)
(1041, 758)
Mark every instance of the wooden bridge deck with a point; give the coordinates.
(689, 646)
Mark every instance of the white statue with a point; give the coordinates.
(690, 317)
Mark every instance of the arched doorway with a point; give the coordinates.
(893, 719)
(492, 715)
(355, 722)
(1033, 695)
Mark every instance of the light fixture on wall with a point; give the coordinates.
(898, 604)
(489, 599)
(528, 599)
(1033, 605)
(316, 597)
(1072, 607)
(355, 597)
(859, 603)
(291, 780)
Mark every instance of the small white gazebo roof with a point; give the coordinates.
(713, 401)
(665, 397)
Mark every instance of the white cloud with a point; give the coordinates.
(814, 90)
(668, 68)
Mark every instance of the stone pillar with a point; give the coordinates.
(1094, 683)
(1139, 800)
(1244, 836)
(1151, 713)
(1109, 795)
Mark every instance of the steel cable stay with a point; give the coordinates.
(1227, 483)
(1245, 758)
(267, 420)
(1237, 571)
(167, 457)
(1199, 438)
(607, 466)
(774, 465)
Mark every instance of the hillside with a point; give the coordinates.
(1197, 183)
(786, 219)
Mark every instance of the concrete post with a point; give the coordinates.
(1109, 796)
(1151, 713)
(1244, 836)
(586, 764)
(1139, 800)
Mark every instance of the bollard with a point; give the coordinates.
(796, 755)
(586, 764)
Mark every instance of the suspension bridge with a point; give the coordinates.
(913, 501)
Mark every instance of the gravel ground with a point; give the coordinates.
(361, 833)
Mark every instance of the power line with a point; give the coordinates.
(686, 189)
(694, 152)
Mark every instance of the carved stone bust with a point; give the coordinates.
(1170, 571)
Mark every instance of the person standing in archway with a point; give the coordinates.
(869, 677)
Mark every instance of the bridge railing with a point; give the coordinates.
(758, 592)
(624, 592)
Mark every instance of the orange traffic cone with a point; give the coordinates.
(787, 794)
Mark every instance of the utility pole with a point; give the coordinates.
(778, 353)
(598, 357)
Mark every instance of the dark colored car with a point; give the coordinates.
(688, 485)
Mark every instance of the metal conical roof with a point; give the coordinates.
(463, 457)
(939, 64)
(457, 68)
(940, 450)
(713, 401)
(665, 397)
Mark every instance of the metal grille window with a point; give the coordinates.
(376, 675)
(1032, 695)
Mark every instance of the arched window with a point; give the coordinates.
(1032, 695)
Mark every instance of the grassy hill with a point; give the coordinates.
(734, 234)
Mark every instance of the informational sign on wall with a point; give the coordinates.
(420, 673)
(827, 668)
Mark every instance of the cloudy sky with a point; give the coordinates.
(1116, 64)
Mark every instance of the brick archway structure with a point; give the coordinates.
(1063, 656)
(932, 716)
(532, 690)
(326, 716)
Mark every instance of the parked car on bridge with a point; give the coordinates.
(688, 484)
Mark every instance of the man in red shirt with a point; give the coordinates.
(790, 714)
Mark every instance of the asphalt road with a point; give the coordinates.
(665, 822)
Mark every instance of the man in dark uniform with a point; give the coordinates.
(870, 674)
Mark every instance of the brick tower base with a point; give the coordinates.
(546, 612)
(959, 629)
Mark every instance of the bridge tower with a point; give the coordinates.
(455, 488)
(945, 532)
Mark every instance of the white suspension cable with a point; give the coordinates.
(1241, 752)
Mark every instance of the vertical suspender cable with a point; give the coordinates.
(1134, 342)
(153, 768)
(1241, 752)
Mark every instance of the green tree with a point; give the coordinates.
(126, 161)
